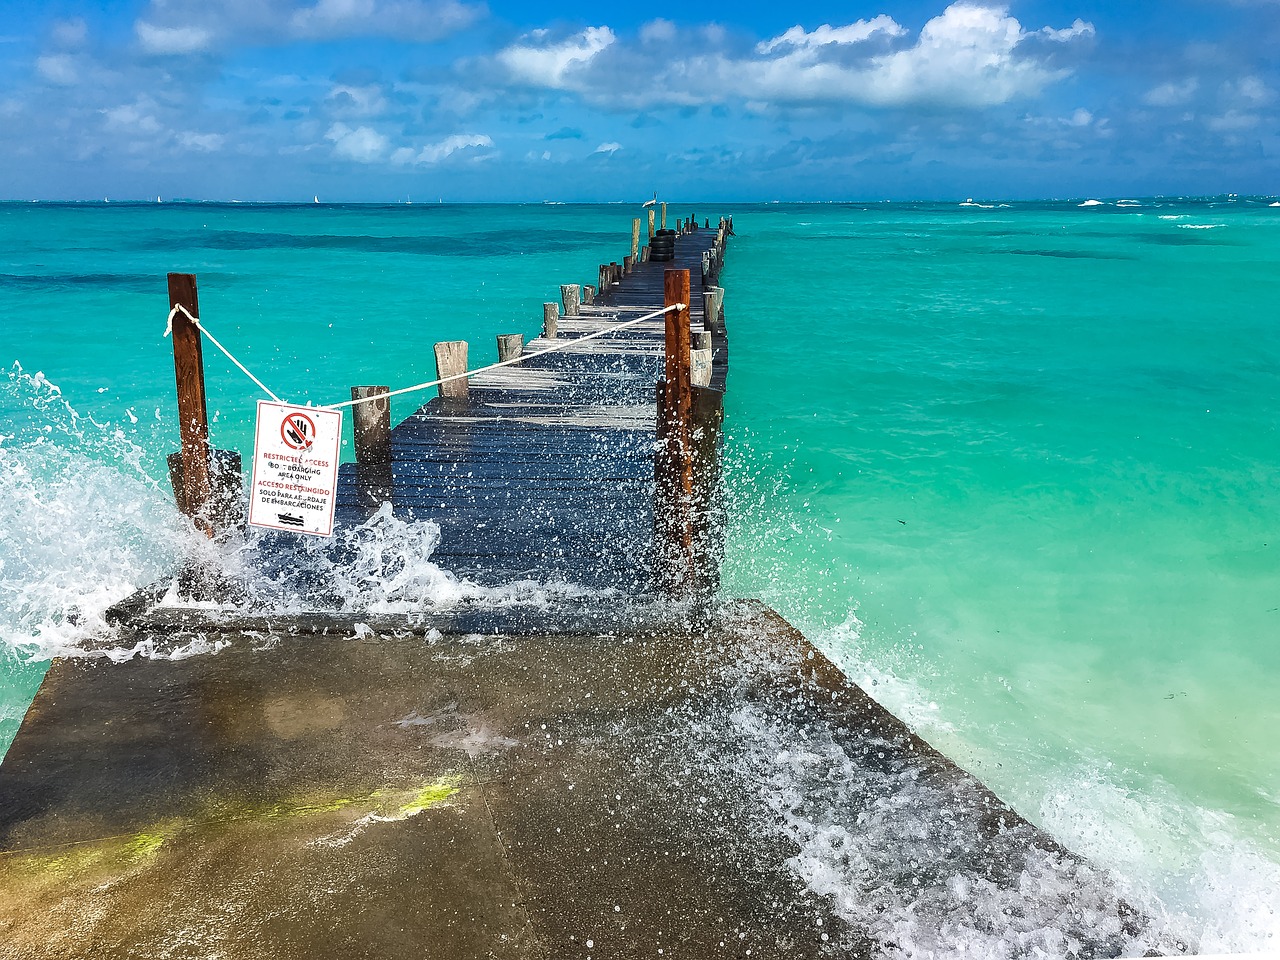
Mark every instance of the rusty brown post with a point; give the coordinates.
(193, 418)
(675, 563)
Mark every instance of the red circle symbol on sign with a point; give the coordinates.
(298, 431)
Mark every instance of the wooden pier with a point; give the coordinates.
(593, 778)
(545, 469)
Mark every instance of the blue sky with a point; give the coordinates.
(387, 99)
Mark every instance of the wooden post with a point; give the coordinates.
(708, 505)
(226, 490)
(644, 254)
(664, 216)
(700, 367)
(605, 278)
(193, 418)
(675, 571)
(371, 428)
(635, 238)
(451, 359)
(570, 296)
(711, 307)
(628, 263)
(510, 346)
(588, 294)
(615, 272)
(550, 320)
(701, 340)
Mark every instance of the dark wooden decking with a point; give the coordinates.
(546, 471)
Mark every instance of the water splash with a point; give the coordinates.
(82, 525)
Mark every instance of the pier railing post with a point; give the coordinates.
(193, 418)
(571, 297)
(664, 216)
(675, 563)
(371, 429)
(451, 360)
(651, 223)
(510, 346)
(550, 320)
(635, 239)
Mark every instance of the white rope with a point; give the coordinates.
(177, 307)
(507, 363)
(168, 329)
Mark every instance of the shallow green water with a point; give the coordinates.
(1014, 466)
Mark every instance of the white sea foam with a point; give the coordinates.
(1195, 870)
(1200, 226)
(898, 856)
(382, 566)
(1189, 863)
(1091, 203)
(81, 523)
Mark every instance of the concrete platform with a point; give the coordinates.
(469, 795)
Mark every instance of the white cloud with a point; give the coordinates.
(970, 55)
(658, 31)
(202, 142)
(826, 34)
(59, 69)
(1077, 29)
(175, 27)
(70, 33)
(1234, 121)
(363, 144)
(356, 101)
(1172, 94)
(435, 152)
(172, 40)
(403, 19)
(549, 65)
(136, 117)
(1250, 90)
(609, 149)
(966, 56)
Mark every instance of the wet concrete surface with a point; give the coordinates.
(411, 793)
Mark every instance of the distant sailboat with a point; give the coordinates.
(157, 198)
(315, 199)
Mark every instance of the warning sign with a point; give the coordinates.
(295, 468)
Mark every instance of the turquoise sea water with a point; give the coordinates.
(1014, 466)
